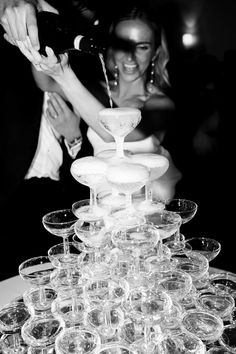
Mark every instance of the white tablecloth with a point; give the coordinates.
(12, 288)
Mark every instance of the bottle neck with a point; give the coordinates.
(77, 42)
(87, 45)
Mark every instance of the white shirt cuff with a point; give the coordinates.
(74, 147)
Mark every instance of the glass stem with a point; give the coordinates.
(177, 236)
(108, 316)
(90, 198)
(148, 191)
(160, 250)
(119, 146)
(137, 262)
(16, 343)
(65, 245)
(93, 198)
(147, 333)
(128, 199)
(42, 296)
(74, 303)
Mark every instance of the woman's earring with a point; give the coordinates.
(151, 78)
(116, 74)
(152, 73)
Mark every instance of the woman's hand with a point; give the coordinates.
(18, 18)
(49, 65)
(62, 118)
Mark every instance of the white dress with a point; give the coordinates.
(164, 187)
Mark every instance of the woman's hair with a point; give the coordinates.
(133, 12)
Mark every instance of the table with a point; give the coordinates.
(14, 287)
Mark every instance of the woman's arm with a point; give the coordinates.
(53, 74)
(47, 83)
(83, 101)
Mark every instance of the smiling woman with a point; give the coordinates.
(135, 62)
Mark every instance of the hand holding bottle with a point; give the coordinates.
(18, 18)
(51, 64)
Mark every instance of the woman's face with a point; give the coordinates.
(138, 36)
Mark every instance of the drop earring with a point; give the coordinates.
(151, 78)
(152, 73)
(116, 74)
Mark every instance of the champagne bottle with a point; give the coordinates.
(61, 36)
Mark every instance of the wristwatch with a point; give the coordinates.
(75, 142)
(74, 146)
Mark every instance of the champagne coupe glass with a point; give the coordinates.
(184, 342)
(206, 326)
(220, 304)
(167, 223)
(127, 178)
(60, 223)
(41, 332)
(104, 296)
(132, 332)
(105, 321)
(157, 166)
(193, 263)
(12, 318)
(228, 339)
(148, 305)
(106, 197)
(67, 275)
(95, 237)
(135, 241)
(90, 171)
(209, 247)
(176, 283)
(11, 343)
(224, 282)
(70, 308)
(119, 122)
(77, 340)
(37, 271)
(56, 256)
(186, 209)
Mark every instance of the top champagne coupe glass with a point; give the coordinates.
(119, 122)
(90, 171)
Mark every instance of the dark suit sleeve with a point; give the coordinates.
(20, 114)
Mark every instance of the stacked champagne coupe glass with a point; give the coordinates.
(116, 284)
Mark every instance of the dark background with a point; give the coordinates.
(203, 79)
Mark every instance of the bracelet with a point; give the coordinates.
(75, 142)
